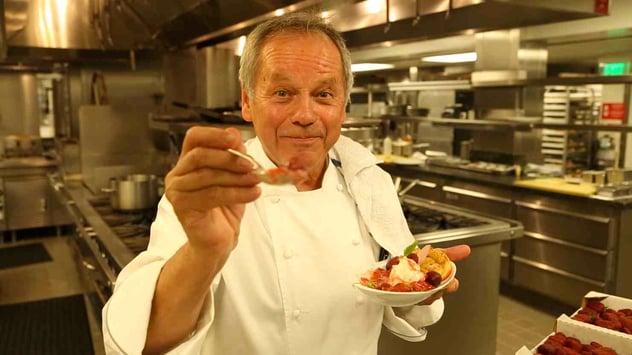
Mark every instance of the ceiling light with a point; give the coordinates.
(452, 58)
(370, 66)
(279, 12)
(374, 6)
(241, 43)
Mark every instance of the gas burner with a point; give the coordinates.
(132, 227)
(426, 220)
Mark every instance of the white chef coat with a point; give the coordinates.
(285, 289)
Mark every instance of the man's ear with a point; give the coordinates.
(246, 112)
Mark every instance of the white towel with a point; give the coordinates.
(374, 193)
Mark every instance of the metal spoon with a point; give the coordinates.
(276, 176)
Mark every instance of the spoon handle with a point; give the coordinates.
(247, 157)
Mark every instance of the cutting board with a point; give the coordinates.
(559, 185)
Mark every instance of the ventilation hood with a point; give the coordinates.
(121, 25)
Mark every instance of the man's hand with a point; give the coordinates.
(209, 187)
(455, 253)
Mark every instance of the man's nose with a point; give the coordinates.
(304, 114)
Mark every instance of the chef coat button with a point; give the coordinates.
(296, 313)
(355, 242)
(339, 187)
(288, 254)
(276, 199)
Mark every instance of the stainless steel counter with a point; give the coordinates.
(111, 254)
(494, 180)
(571, 244)
(471, 314)
(26, 200)
(26, 166)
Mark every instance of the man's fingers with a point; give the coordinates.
(458, 252)
(209, 198)
(205, 178)
(201, 157)
(453, 286)
(210, 137)
(431, 299)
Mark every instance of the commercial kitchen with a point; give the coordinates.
(503, 123)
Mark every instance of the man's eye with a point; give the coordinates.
(325, 94)
(281, 93)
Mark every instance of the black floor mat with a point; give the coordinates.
(48, 327)
(23, 255)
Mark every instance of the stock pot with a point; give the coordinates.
(134, 192)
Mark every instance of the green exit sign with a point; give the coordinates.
(616, 68)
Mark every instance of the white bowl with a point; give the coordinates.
(401, 299)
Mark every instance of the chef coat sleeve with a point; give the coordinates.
(126, 314)
(409, 323)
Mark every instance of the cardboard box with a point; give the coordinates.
(525, 351)
(609, 301)
(619, 342)
(586, 333)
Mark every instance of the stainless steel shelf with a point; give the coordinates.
(431, 85)
(622, 79)
(521, 126)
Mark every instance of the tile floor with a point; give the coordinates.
(518, 323)
(56, 278)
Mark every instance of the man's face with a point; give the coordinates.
(298, 101)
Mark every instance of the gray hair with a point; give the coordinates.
(294, 22)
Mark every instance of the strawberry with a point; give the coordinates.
(394, 261)
(596, 306)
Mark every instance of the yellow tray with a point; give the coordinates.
(559, 185)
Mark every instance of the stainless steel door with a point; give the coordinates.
(27, 202)
(3, 215)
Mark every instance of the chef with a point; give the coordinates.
(237, 266)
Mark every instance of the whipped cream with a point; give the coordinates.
(407, 271)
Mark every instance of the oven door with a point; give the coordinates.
(94, 278)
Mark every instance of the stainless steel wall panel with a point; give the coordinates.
(571, 204)
(19, 110)
(623, 284)
(557, 286)
(219, 74)
(576, 261)
(566, 227)
(492, 201)
(116, 141)
(180, 76)
(28, 203)
(504, 268)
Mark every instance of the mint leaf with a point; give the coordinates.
(409, 249)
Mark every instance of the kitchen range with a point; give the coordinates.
(105, 239)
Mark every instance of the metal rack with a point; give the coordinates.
(575, 105)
